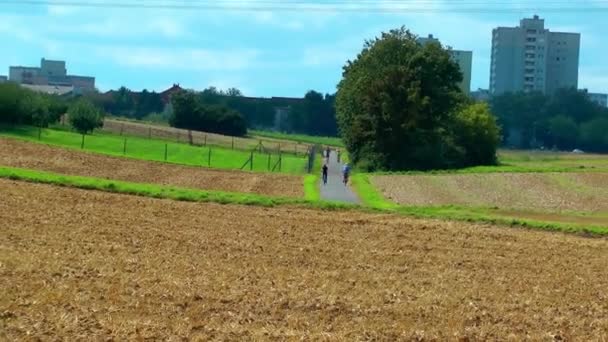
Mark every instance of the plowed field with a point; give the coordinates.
(42, 157)
(96, 266)
(526, 191)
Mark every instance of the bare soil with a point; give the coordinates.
(21, 154)
(525, 191)
(86, 265)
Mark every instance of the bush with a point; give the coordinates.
(19, 105)
(84, 116)
(478, 134)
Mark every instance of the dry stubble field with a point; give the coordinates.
(525, 191)
(78, 264)
(21, 154)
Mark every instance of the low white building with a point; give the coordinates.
(50, 73)
(3, 79)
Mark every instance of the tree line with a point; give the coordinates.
(566, 120)
(21, 106)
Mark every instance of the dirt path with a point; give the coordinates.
(78, 264)
(22, 154)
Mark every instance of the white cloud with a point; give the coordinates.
(180, 59)
(61, 11)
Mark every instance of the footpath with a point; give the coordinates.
(335, 190)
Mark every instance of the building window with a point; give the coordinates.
(529, 71)
(529, 63)
(531, 31)
(557, 59)
(530, 55)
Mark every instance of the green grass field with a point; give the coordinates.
(150, 149)
(310, 139)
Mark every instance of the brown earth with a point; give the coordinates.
(21, 154)
(85, 265)
(526, 191)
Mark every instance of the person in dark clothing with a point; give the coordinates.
(325, 169)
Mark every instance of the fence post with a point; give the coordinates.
(260, 146)
(82, 143)
(279, 148)
(122, 128)
(296, 149)
(177, 137)
(39, 132)
(124, 148)
(149, 132)
(268, 161)
(165, 152)
(205, 144)
(209, 158)
(233, 143)
(251, 165)
(280, 162)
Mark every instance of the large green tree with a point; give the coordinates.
(396, 104)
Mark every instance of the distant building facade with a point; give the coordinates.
(600, 99)
(3, 79)
(464, 59)
(481, 95)
(531, 58)
(51, 73)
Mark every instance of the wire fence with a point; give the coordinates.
(256, 159)
(197, 138)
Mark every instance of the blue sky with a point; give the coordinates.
(263, 53)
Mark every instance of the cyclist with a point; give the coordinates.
(345, 173)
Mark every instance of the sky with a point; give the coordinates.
(269, 51)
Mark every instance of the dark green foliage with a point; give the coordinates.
(84, 116)
(565, 120)
(397, 108)
(190, 112)
(19, 105)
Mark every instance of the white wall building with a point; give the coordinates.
(51, 73)
(464, 59)
(531, 58)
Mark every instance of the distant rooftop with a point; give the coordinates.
(49, 89)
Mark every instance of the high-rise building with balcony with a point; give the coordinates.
(532, 58)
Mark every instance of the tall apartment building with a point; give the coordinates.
(532, 58)
(464, 59)
(50, 73)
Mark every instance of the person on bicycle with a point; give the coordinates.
(325, 169)
(345, 173)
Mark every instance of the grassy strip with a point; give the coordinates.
(485, 215)
(192, 195)
(368, 193)
(301, 138)
(499, 169)
(311, 188)
(159, 191)
(152, 149)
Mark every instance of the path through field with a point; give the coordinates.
(335, 190)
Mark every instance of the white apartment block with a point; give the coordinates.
(464, 59)
(531, 58)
